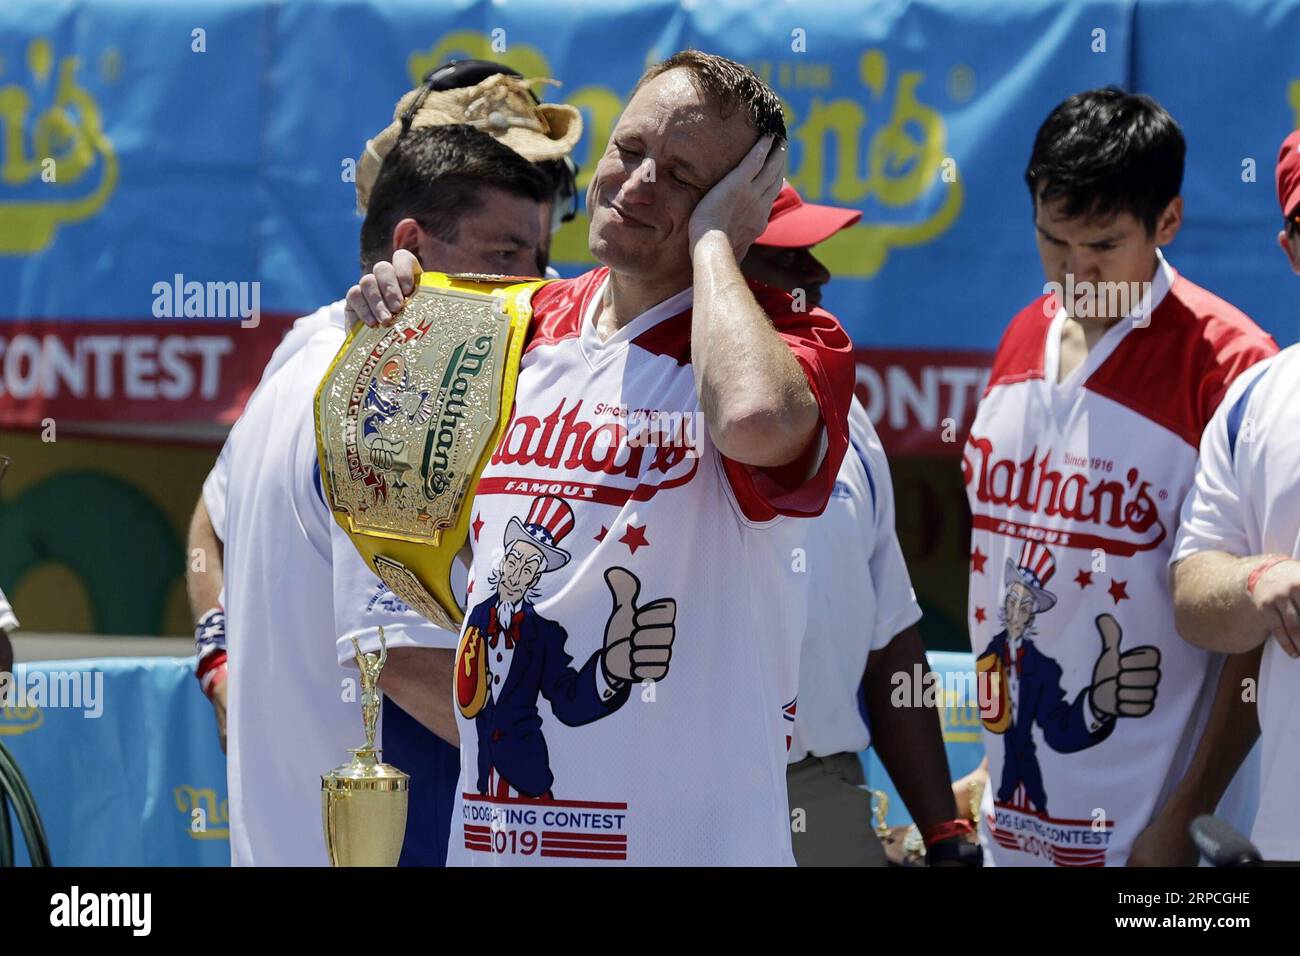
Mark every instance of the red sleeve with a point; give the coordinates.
(825, 354)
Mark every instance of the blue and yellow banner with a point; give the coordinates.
(170, 169)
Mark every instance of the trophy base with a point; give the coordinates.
(363, 807)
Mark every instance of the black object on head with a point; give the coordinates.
(1106, 152)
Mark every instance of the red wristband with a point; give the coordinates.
(1261, 569)
(946, 831)
(211, 672)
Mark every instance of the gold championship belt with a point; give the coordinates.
(406, 418)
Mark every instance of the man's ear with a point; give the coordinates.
(1170, 221)
(407, 234)
(1291, 248)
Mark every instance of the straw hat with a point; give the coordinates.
(502, 106)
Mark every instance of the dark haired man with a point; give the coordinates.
(479, 93)
(1236, 565)
(689, 421)
(1099, 722)
(296, 591)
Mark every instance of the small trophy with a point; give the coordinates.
(363, 803)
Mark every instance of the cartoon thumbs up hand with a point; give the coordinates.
(638, 638)
(1123, 684)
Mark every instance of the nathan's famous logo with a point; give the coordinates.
(466, 363)
(209, 818)
(1032, 485)
(58, 166)
(907, 167)
(561, 441)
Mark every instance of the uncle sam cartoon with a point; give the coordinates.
(1026, 690)
(510, 655)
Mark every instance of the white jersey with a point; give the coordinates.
(562, 761)
(859, 597)
(1245, 502)
(214, 486)
(1074, 491)
(8, 619)
(296, 592)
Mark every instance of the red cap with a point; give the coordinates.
(1288, 174)
(793, 223)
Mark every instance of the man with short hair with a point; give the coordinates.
(862, 613)
(1099, 722)
(459, 91)
(633, 704)
(1236, 564)
(297, 592)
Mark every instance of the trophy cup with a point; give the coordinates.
(363, 803)
(406, 419)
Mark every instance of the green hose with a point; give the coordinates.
(14, 787)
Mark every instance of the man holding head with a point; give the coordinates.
(1236, 564)
(673, 427)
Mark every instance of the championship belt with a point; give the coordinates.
(406, 418)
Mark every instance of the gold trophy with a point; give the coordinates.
(363, 803)
(406, 419)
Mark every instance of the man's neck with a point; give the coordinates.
(627, 297)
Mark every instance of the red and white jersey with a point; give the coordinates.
(606, 491)
(1245, 502)
(1075, 491)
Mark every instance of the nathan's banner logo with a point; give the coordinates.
(465, 365)
(875, 145)
(57, 165)
(1119, 515)
(207, 816)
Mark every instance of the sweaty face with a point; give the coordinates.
(502, 237)
(787, 269)
(669, 148)
(1104, 254)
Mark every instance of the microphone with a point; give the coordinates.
(1221, 844)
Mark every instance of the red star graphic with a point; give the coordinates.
(603, 531)
(1119, 590)
(979, 615)
(634, 537)
(1083, 578)
(977, 560)
(477, 525)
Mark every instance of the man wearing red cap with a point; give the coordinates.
(861, 628)
(1236, 563)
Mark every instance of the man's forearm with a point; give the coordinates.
(909, 740)
(1212, 607)
(1230, 732)
(419, 680)
(205, 553)
(754, 395)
